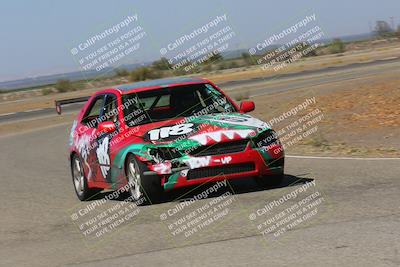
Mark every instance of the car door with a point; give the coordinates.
(87, 136)
(104, 140)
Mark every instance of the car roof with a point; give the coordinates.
(159, 83)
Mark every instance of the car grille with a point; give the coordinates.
(219, 170)
(220, 148)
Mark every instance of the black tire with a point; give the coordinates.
(79, 180)
(270, 180)
(148, 186)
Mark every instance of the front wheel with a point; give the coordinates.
(148, 186)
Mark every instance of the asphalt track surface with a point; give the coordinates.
(356, 224)
(269, 84)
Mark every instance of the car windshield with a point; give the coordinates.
(174, 102)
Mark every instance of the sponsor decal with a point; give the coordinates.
(184, 172)
(71, 135)
(224, 160)
(194, 163)
(242, 120)
(162, 168)
(83, 145)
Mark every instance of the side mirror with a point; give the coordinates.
(106, 127)
(247, 106)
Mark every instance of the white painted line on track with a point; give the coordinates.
(388, 58)
(13, 101)
(31, 110)
(339, 158)
(6, 114)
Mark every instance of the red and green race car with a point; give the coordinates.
(158, 135)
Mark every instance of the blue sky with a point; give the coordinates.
(37, 36)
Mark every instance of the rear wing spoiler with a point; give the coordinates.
(60, 103)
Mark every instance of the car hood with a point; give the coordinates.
(204, 130)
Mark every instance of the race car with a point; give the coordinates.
(159, 135)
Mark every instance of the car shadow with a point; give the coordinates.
(237, 186)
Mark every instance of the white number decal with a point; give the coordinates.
(103, 157)
(165, 132)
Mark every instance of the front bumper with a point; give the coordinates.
(251, 162)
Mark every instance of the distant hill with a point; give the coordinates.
(51, 79)
(81, 75)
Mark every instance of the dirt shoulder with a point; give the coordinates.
(358, 117)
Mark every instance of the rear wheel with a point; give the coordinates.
(79, 180)
(148, 186)
(270, 180)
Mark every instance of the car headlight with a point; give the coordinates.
(160, 154)
(265, 139)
